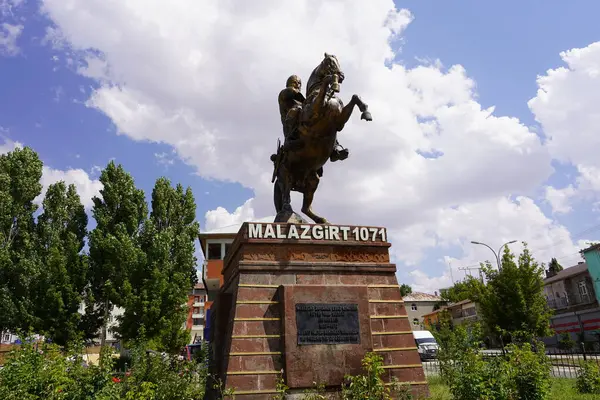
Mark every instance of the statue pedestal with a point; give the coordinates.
(305, 303)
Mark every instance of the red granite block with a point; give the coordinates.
(406, 374)
(396, 324)
(256, 294)
(394, 341)
(253, 345)
(387, 309)
(263, 278)
(252, 382)
(388, 293)
(310, 279)
(255, 363)
(376, 325)
(401, 357)
(328, 364)
(257, 311)
(257, 327)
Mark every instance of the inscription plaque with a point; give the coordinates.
(327, 324)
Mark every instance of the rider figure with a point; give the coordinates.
(291, 101)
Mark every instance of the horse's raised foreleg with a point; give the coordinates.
(311, 185)
(348, 108)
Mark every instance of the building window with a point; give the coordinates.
(413, 307)
(7, 338)
(197, 321)
(582, 288)
(197, 299)
(416, 322)
(196, 310)
(214, 251)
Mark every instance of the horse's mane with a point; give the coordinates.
(314, 81)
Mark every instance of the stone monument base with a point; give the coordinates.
(303, 304)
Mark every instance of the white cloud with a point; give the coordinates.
(220, 217)
(8, 38)
(8, 144)
(86, 187)
(204, 78)
(566, 107)
(8, 7)
(559, 199)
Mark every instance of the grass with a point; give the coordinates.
(562, 389)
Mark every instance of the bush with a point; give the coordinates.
(369, 386)
(529, 372)
(44, 372)
(522, 374)
(565, 342)
(588, 378)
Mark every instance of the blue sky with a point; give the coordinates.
(502, 45)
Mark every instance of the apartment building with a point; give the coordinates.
(195, 321)
(418, 305)
(570, 293)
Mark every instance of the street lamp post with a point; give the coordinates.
(496, 254)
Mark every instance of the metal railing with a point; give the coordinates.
(563, 364)
(571, 300)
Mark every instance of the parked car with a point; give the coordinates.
(426, 345)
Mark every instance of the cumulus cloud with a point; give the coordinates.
(566, 107)
(220, 217)
(8, 39)
(86, 187)
(204, 78)
(559, 199)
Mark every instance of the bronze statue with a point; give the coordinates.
(310, 127)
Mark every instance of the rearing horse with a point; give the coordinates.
(323, 115)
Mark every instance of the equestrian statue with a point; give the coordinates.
(310, 127)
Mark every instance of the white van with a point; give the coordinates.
(426, 345)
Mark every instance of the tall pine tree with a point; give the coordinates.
(20, 174)
(114, 245)
(61, 232)
(156, 293)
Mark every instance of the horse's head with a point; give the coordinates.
(328, 67)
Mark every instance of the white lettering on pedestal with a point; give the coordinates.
(316, 232)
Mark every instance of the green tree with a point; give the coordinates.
(405, 290)
(469, 288)
(156, 292)
(61, 232)
(554, 266)
(513, 302)
(20, 174)
(114, 245)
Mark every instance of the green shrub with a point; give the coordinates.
(529, 371)
(565, 342)
(369, 386)
(521, 374)
(588, 378)
(44, 372)
(317, 393)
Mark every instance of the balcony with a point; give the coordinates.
(571, 300)
(198, 315)
(558, 303)
(198, 304)
(577, 299)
